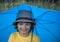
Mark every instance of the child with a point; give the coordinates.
(24, 24)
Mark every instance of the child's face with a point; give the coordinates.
(23, 27)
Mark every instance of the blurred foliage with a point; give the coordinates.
(48, 4)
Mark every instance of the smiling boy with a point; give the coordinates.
(24, 24)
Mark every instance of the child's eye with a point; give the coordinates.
(20, 23)
(28, 24)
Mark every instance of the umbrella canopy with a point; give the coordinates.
(47, 23)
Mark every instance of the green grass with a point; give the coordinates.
(6, 6)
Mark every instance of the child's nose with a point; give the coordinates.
(24, 26)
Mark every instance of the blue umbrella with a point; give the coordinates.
(47, 23)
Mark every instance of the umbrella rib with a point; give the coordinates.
(49, 32)
(31, 11)
(40, 16)
(48, 22)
